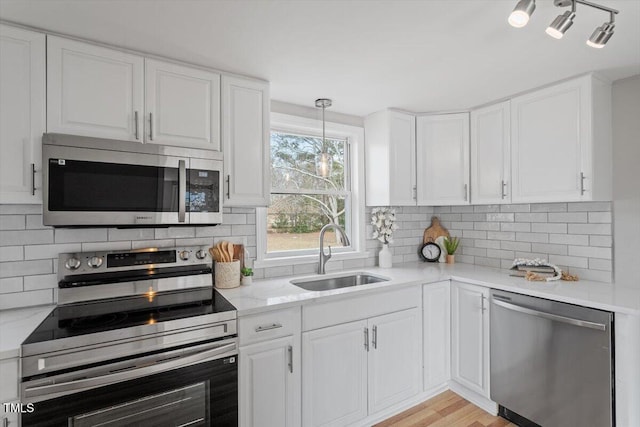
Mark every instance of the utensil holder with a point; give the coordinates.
(226, 274)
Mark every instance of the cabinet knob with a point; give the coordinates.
(201, 254)
(95, 262)
(184, 255)
(72, 263)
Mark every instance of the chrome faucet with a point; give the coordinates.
(324, 257)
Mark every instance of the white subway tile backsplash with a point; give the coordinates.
(591, 274)
(549, 207)
(20, 209)
(49, 251)
(34, 222)
(500, 217)
(26, 299)
(486, 208)
(515, 246)
(488, 226)
(11, 253)
(501, 235)
(532, 237)
(487, 262)
(80, 235)
(600, 264)
(602, 229)
(531, 217)
(234, 218)
(589, 207)
(106, 246)
(43, 281)
(544, 227)
(569, 239)
(590, 251)
(25, 237)
(12, 222)
(474, 251)
(515, 208)
(305, 268)
(119, 234)
(605, 241)
(175, 233)
(569, 261)
(549, 248)
(575, 217)
(499, 253)
(213, 231)
(11, 284)
(600, 217)
(473, 234)
(489, 244)
(25, 268)
(165, 243)
(515, 226)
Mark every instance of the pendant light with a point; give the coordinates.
(602, 34)
(324, 162)
(562, 23)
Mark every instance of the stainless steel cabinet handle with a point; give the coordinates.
(366, 339)
(466, 192)
(151, 126)
(135, 117)
(582, 183)
(415, 192)
(549, 316)
(290, 352)
(504, 187)
(228, 186)
(182, 190)
(89, 383)
(262, 328)
(482, 307)
(33, 179)
(374, 339)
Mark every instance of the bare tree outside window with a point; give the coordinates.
(303, 201)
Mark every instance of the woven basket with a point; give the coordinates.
(227, 274)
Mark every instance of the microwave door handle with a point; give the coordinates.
(182, 190)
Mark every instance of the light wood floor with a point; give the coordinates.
(445, 410)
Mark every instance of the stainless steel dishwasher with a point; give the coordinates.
(551, 362)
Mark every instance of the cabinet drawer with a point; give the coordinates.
(267, 326)
(315, 316)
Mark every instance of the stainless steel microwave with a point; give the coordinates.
(102, 182)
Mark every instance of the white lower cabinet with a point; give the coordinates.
(269, 384)
(436, 327)
(359, 368)
(470, 336)
(270, 368)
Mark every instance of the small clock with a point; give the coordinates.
(430, 252)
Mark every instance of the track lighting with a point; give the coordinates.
(562, 23)
(524, 8)
(521, 13)
(602, 34)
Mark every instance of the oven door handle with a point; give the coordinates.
(88, 383)
(551, 316)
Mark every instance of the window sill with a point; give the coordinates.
(306, 259)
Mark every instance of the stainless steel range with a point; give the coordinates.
(139, 338)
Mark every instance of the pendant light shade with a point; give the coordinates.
(324, 162)
(561, 24)
(521, 13)
(601, 35)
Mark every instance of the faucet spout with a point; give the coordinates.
(325, 257)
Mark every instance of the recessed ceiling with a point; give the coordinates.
(420, 56)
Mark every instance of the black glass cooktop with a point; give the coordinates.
(125, 312)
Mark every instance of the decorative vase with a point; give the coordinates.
(451, 259)
(385, 257)
(247, 280)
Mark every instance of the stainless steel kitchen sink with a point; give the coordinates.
(337, 282)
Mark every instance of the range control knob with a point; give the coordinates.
(184, 255)
(201, 254)
(72, 263)
(95, 261)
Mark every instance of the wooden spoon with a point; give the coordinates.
(230, 251)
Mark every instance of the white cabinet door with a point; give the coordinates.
(182, 106)
(22, 114)
(245, 136)
(470, 336)
(93, 91)
(436, 334)
(269, 382)
(550, 140)
(394, 358)
(490, 154)
(334, 388)
(10, 374)
(390, 149)
(443, 159)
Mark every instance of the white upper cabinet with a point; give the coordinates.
(182, 106)
(390, 159)
(245, 136)
(22, 114)
(443, 159)
(93, 90)
(490, 154)
(561, 143)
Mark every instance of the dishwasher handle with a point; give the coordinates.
(550, 316)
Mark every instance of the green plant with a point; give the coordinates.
(451, 244)
(246, 271)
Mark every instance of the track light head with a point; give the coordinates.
(601, 35)
(561, 24)
(521, 13)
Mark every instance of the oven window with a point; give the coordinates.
(111, 187)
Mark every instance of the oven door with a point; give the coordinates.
(86, 186)
(197, 386)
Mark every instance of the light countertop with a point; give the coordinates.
(16, 325)
(275, 293)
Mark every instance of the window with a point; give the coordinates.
(306, 195)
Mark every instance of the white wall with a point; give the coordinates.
(626, 180)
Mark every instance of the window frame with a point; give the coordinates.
(354, 137)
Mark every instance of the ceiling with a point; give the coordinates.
(422, 56)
